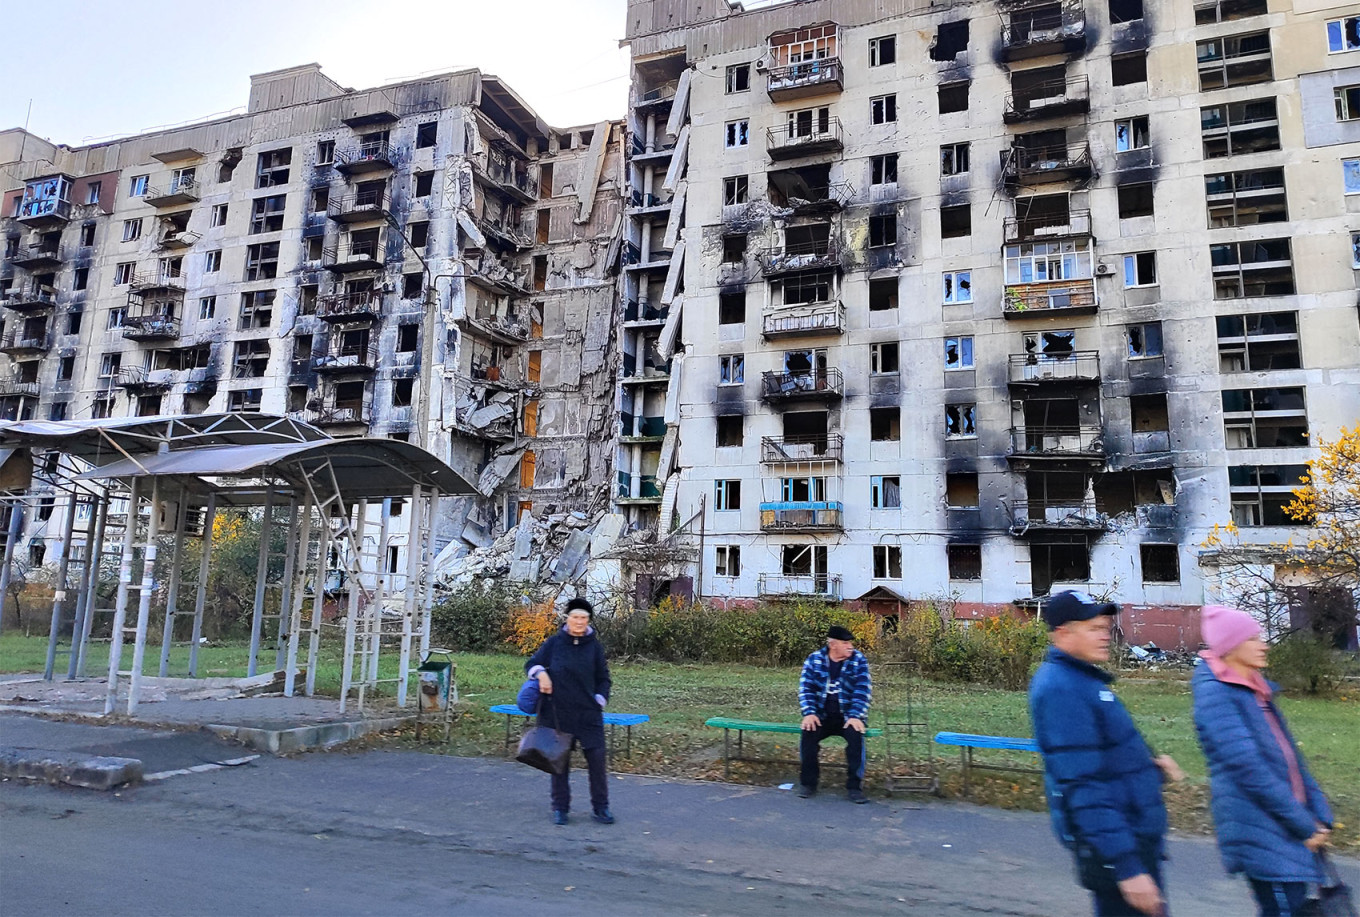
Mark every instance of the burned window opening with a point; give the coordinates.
(883, 294)
(962, 490)
(730, 431)
(1144, 340)
(951, 40)
(732, 307)
(885, 424)
(953, 97)
(1058, 563)
(965, 561)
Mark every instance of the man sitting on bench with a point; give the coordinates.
(834, 694)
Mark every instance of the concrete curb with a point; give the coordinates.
(302, 738)
(92, 772)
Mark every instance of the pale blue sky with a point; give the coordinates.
(101, 68)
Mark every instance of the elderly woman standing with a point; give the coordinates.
(573, 680)
(1270, 815)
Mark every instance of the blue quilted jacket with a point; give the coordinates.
(856, 689)
(1104, 790)
(1261, 826)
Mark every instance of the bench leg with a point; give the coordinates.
(628, 742)
(507, 733)
(727, 754)
(966, 756)
(613, 734)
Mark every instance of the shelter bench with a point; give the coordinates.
(612, 720)
(966, 742)
(728, 726)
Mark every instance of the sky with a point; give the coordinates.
(119, 67)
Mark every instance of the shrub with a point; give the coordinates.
(769, 634)
(527, 626)
(1304, 661)
(474, 618)
(1000, 651)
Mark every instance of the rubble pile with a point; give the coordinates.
(556, 549)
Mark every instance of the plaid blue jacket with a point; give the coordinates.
(856, 690)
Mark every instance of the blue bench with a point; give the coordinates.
(612, 720)
(966, 742)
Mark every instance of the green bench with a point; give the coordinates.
(728, 726)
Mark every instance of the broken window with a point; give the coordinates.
(1125, 11)
(262, 261)
(734, 248)
(803, 489)
(1058, 563)
(251, 359)
(736, 190)
(412, 286)
(1355, 250)
(958, 287)
(1251, 269)
(122, 272)
(887, 561)
(132, 230)
(1140, 269)
(1160, 562)
(407, 335)
(732, 307)
(257, 309)
(801, 289)
(731, 369)
(1265, 418)
(1135, 200)
(403, 391)
(302, 348)
(961, 490)
(66, 368)
(883, 109)
(1126, 69)
(226, 167)
(325, 152)
(1131, 134)
(117, 317)
(73, 322)
(727, 560)
(1342, 34)
(1260, 493)
(1237, 128)
(951, 40)
(1350, 175)
(1144, 339)
(883, 169)
(885, 424)
(207, 307)
(266, 213)
(92, 191)
(1234, 60)
(960, 421)
(58, 412)
(307, 297)
(965, 561)
(883, 230)
(81, 278)
(954, 159)
(730, 430)
(271, 168)
(218, 215)
(805, 560)
(1208, 12)
(427, 134)
(738, 133)
(738, 78)
(885, 491)
(883, 294)
(953, 97)
(727, 495)
(137, 186)
(958, 352)
(956, 221)
(883, 51)
(419, 234)
(87, 235)
(1347, 100)
(424, 184)
(883, 358)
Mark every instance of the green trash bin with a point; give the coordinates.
(436, 683)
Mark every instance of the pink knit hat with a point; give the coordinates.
(1224, 629)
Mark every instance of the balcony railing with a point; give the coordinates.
(18, 341)
(1048, 100)
(815, 256)
(357, 256)
(638, 487)
(808, 78)
(136, 377)
(1049, 163)
(806, 319)
(646, 201)
(151, 327)
(507, 329)
(777, 386)
(14, 387)
(1047, 515)
(341, 414)
(1026, 300)
(1048, 226)
(1056, 442)
(176, 239)
(354, 306)
(30, 298)
(44, 212)
(36, 257)
(360, 207)
(374, 156)
(183, 190)
(1077, 366)
(642, 428)
(515, 181)
(1026, 36)
(795, 139)
(644, 312)
(156, 280)
(801, 516)
(830, 198)
(516, 235)
(787, 450)
(348, 360)
(814, 585)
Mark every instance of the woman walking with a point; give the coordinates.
(573, 681)
(1270, 815)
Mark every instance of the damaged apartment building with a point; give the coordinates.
(983, 300)
(427, 261)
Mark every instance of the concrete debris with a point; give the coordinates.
(560, 548)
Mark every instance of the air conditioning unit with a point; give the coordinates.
(762, 64)
(1103, 270)
(390, 286)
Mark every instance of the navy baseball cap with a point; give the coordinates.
(1072, 605)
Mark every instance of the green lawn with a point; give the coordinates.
(680, 697)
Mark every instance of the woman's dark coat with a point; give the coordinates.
(579, 672)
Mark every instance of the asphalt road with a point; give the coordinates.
(406, 833)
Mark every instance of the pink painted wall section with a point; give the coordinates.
(11, 202)
(108, 189)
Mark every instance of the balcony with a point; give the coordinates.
(515, 182)
(505, 329)
(18, 342)
(640, 203)
(202, 381)
(652, 373)
(341, 414)
(1032, 369)
(792, 585)
(44, 212)
(633, 258)
(823, 200)
(1044, 516)
(791, 450)
(1048, 100)
(150, 281)
(151, 328)
(360, 207)
(37, 257)
(184, 190)
(826, 385)
(375, 156)
(135, 378)
(804, 80)
(807, 319)
(801, 516)
(1056, 297)
(507, 233)
(1080, 442)
(1038, 33)
(1026, 165)
(354, 306)
(642, 429)
(823, 255)
(30, 298)
(645, 313)
(14, 387)
(1048, 226)
(637, 488)
(177, 239)
(357, 256)
(348, 360)
(795, 140)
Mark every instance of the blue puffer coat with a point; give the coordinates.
(1261, 826)
(1104, 789)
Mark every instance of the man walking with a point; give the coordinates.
(834, 693)
(1103, 784)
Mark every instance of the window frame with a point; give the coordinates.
(876, 46)
(884, 558)
(733, 73)
(966, 357)
(962, 282)
(737, 134)
(727, 495)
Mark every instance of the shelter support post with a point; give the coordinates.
(261, 577)
(352, 615)
(120, 603)
(286, 593)
(295, 613)
(172, 593)
(16, 524)
(145, 589)
(201, 593)
(90, 595)
(427, 547)
(408, 607)
(323, 556)
(59, 597)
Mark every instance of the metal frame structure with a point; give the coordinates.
(176, 474)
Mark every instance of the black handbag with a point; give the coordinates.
(546, 748)
(1334, 895)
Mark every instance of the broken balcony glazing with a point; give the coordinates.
(1051, 99)
(29, 297)
(182, 189)
(1038, 29)
(815, 585)
(1057, 441)
(1076, 366)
